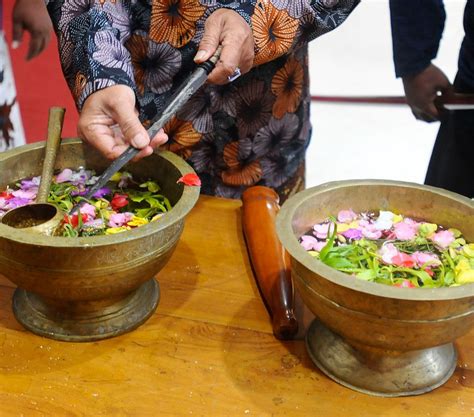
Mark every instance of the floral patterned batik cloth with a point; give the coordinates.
(253, 131)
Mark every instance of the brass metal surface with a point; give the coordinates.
(387, 321)
(81, 280)
(42, 217)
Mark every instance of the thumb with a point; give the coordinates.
(133, 131)
(209, 41)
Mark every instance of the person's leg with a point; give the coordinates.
(452, 161)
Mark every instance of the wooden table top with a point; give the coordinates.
(207, 351)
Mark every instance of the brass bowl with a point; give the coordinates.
(371, 337)
(90, 288)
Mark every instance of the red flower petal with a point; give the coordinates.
(119, 201)
(6, 195)
(74, 219)
(190, 179)
(404, 260)
(405, 284)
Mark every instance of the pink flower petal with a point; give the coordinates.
(308, 241)
(29, 194)
(425, 259)
(371, 232)
(311, 243)
(388, 252)
(405, 230)
(119, 219)
(443, 238)
(321, 230)
(88, 209)
(64, 175)
(346, 216)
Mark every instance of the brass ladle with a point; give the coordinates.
(41, 216)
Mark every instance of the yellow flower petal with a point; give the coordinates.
(397, 218)
(115, 230)
(101, 204)
(468, 250)
(463, 265)
(137, 221)
(342, 227)
(465, 277)
(116, 177)
(354, 224)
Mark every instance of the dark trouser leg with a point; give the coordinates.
(452, 162)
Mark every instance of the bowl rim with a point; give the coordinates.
(296, 251)
(184, 205)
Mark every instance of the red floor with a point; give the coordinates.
(40, 85)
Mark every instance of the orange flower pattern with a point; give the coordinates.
(181, 137)
(287, 86)
(241, 171)
(274, 31)
(174, 21)
(254, 130)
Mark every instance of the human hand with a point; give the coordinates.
(31, 15)
(229, 29)
(109, 122)
(422, 89)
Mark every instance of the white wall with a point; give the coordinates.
(370, 141)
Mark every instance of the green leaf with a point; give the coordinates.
(338, 262)
(329, 245)
(427, 229)
(367, 275)
(152, 186)
(154, 203)
(143, 213)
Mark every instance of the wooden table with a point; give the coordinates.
(207, 351)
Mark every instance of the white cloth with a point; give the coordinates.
(11, 127)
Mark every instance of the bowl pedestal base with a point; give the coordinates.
(86, 321)
(377, 371)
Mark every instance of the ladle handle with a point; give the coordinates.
(55, 126)
(270, 261)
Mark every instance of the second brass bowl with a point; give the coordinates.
(371, 337)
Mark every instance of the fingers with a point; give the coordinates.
(226, 66)
(159, 139)
(208, 44)
(36, 46)
(425, 117)
(110, 123)
(133, 131)
(422, 90)
(427, 112)
(229, 29)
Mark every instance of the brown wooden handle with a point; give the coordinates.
(270, 261)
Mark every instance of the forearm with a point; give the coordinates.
(417, 27)
(91, 45)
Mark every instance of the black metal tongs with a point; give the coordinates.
(184, 92)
